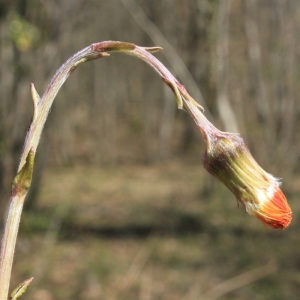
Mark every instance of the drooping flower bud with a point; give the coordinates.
(227, 157)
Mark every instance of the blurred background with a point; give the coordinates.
(120, 206)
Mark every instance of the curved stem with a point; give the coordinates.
(41, 110)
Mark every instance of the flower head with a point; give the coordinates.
(229, 159)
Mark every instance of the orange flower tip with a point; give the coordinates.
(273, 209)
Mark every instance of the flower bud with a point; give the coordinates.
(228, 158)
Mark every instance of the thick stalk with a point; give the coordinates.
(20, 188)
(9, 242)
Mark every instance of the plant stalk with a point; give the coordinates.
(9, 242)
(42, 107)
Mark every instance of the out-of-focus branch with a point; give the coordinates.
(224, 107)
(237, 282)
(284, 85)
(254, 52)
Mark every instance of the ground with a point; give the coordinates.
(162, 231)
